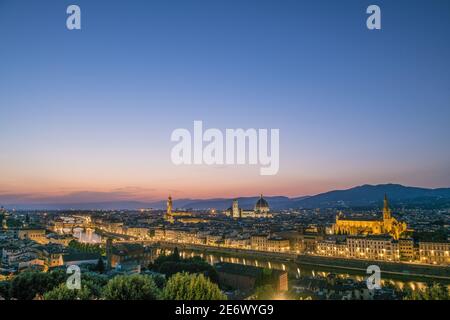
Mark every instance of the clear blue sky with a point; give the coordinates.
(93, 110)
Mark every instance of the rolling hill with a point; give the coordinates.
(360, 196)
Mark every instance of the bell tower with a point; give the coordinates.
(386, 210)
(235, 209)
(169, 208)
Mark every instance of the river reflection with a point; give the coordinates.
(296, 270)
(87, 236)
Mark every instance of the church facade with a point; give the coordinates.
(261, 210)
(171, 215)
(385, 225)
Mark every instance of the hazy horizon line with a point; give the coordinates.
(88, 197)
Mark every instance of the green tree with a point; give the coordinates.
(172, 264)
(29, 284)
(160, 280)
(265, 277)
(95, 282)
(75, 246)
(61, 292)
(176, 254)
(264, 292)
(132, 287)
(100, 267)
(185, 286)
(4, 289)
(435, 291)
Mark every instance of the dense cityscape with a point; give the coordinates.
(251, 253)
(222, 158)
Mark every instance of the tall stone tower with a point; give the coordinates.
(3, 217)
(169, 208)
(386, 211)
(235, 209)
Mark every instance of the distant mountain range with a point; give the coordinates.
(372, 195)
(361, 196)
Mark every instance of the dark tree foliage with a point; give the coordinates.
(160, 280)
(264, 292)
(92, 285)
(132, 287)
(75, 246)
(176, 254)
(29, 284)
(62, 292)
(100, 267)
(433, 291)
(4, 289)
(172, 264)
(185, 286)
(266, 277)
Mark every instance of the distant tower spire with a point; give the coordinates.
(169, 207)
(386, 210)
(235, 209)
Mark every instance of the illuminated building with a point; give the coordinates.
(13, 254)
(192, 220)
(332, 248)
(304, 241)
(213, 240)
(266, 243)
(112, 226)
(261, 210)
(236, 213)
(128, 253)
(54, 255)
(170, 215)
(386, 225)
(406, 248)
(242, 243)
(434, 252)
(60, 239)
(159, 234)
(176, 235)
(373, 247)
(37, 235)
(261, 206)
(4, 216)
(138, 232)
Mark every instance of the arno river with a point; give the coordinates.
(88, 236)
(295, 270)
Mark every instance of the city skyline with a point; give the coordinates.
(88, 114)
(120, 199)
(206, 158)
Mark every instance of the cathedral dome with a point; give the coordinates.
(262, 205)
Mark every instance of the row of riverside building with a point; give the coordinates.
(369, 247)
(385, 248)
